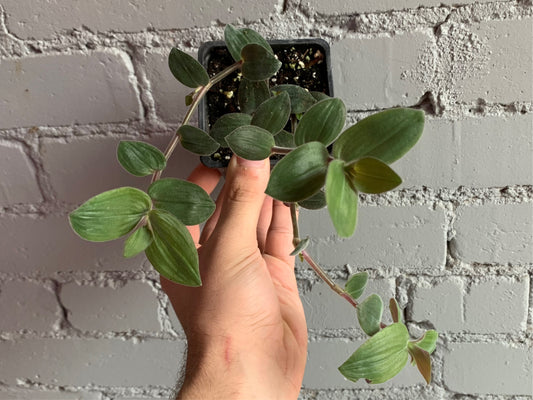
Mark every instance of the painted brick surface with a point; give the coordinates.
(495, 233)
(392, 236)
(27, 19)
(35, 395)
(131, 307)
(21, 187)
(324, 357)
(384, 61)
(468, 365)
(49, 244)
(26, 305)
(33, 96)
(111, 362)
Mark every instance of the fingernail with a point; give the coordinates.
(249, 163)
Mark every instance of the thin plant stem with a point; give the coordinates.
(295, 229)
(196, 100)
(281, 150)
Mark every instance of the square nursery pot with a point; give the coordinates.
(305, 62)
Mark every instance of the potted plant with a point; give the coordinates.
(307, 176)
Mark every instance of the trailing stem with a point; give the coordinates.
(318, 270)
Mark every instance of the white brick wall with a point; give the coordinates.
(78, 321)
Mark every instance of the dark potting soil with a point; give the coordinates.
(303, 64)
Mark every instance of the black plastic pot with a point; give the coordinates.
(214, 56)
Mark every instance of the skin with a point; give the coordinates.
(245, 326)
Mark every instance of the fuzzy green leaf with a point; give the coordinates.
(300, 246)
(395, 310)
(258, 63)
(110, 215)
(186, 201)
(315, 202)
(273, 114)
(422, 360)
(284, 139)
(140, 158)
(322, 122)
(369, 313)
(300, 174)
(387, 136)
(380, 358)
(172, 251)
(428, 342)
(237, 39)
(186, 69)
(370, 175)
(300, 98)
(137, 242)
(341, 199)
(319, 95)
(227, 124)
(251, 142)
(197, 141)
(251, 94)
(356, 284)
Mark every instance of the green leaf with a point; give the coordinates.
(322, 122)
(370, 175)
(186, 69)
(319, 95)
(227, 124)
(300, 246)
(110, 215)
(300, 174)
(197, 141)
(369, 314)
(387, 135)
(188, 100)
(186, 201)
(172, 252)
(251, 94)
(284, 139)
(258, 63)
(341, 199)
(395, 310)
(422, 360)
(315, 202)
(273, 114)
(428, 342)
(137, 242)
(356, 284)
(251, 142)
(237, 39)
(300, 98)
(140, 158)
(380, 358)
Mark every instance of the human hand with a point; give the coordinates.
(245, 326)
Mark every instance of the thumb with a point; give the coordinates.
(246, 182)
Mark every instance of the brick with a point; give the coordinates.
(411, 237)
(29, 20)
(495, 233)
(441, 304)
(41, 90)
(38, 395)
(80, 168)
(48, 245)
(18, 182)
(324, 309)
(344, 7)
(130, 307)
(369, 72)
(167, 92)
(26, 305)
(497, 306)
(325, 356)
(462, 153)
(488, 368)
(81, 362)
(496, 57)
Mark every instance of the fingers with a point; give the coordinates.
(246, 182)
(212, 222)
(279, 238)
(264, 222)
